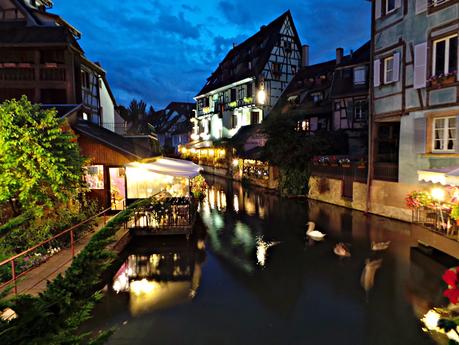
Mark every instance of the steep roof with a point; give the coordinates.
(164, 119)
(40, 28)
(256, 49)
(111, 139)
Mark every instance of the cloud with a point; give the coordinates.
(163, 51)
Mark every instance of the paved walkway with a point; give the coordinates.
(35, 281)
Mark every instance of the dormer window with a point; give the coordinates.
(316, 97)
(359, 75)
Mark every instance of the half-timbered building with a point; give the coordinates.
(40, 57)
(248, 82)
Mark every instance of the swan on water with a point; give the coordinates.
(342, 250)
(316, 235)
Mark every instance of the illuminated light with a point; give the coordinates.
(261, 96)
(438, 194)
(235, 162)
(193, 151)
(211, 152)
(184, 150)
(194, 136)
(141, 287)
(430, 320)
(236, 203)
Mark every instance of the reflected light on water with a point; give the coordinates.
(236, 203)
(141, 287)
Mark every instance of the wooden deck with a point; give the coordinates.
(436, 240)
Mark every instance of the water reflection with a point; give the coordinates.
(248, 278)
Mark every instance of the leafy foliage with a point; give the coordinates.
(40, 161)
(292, 150)
(56, 314)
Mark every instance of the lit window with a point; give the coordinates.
(388, 70)
(359, 75)
(360, 110)
(305, 125)
(316, 97)
(95, 176)
(390, 6)
(445, 55)
(444, 134)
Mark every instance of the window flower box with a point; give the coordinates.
(443, 80)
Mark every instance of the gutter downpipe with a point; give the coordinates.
(371, 111)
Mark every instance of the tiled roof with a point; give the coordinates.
(256, 49)
(111, 139)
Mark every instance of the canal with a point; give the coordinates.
(250, 276)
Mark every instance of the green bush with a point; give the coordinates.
(55, 315)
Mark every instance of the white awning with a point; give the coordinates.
(444, 176)
(168, 166)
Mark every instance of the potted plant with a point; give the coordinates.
(454, 214)
(362, 164)
(415, 199)
(333, 161)
(345, 162)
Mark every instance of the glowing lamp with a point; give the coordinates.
(261, 96)
(211, 152)
(235, 162)
(431, 320)
(438, 194)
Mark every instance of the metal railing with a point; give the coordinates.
(386, 172)
(438, 220)
(356, 170)
(17, 273)
(164, 214)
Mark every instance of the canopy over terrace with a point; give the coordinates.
(445, 176)
(154, 175)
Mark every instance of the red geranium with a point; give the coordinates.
(450, 278)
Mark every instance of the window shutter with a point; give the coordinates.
(378, 8)
(420, 65)
(396, 74)
(420, 134)
(377, 72)
(421, 6)
(398, 3)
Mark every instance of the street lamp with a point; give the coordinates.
(261, 96)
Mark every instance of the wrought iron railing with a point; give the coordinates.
(386, 171)
(22, 263)
(358, 171)
(436, 219)
(164, 214)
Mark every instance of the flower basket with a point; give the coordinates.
(346, 165)
(442, 80)
(361, 166)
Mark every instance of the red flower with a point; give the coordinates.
(450, 278)
(452, 295)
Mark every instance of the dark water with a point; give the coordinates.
(223, 288)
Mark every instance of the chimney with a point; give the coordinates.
(339, 55)
(305, 56)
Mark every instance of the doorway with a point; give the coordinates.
(117, 188)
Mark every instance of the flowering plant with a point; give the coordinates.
(418, 199)
(199, 187)
(442, 77)
(450, 277)
(344, 161)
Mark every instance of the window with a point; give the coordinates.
(444, 134)
(233, 95)
(359, 76)
(360, 110)
(233, 121)
(445, 55)
(390, 6)
(388, 70)
(95, 176)
(316, 97)
(276, 70)
(435, 3)
(304, 125)
(254, 117)
(293, 69)
(85, 79)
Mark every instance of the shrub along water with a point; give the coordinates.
(54, 316)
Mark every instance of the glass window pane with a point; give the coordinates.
(452, 55)
(440, 47)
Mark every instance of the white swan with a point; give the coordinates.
(377, 246)
(342, 250)
(314, 234)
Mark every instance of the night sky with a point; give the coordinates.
(162, 51)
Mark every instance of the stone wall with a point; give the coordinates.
(387, 198)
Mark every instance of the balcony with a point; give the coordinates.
(52, 74)
(386, 171)
(358, 171)
(17, 74)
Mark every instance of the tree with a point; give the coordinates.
(137, 116)
(40, 161)
(292, 150)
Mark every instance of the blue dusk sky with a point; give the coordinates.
(162, 51)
